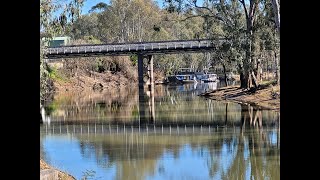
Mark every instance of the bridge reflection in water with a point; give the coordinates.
(188, 137)
(145, 153)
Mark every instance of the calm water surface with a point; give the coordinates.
(173, 135)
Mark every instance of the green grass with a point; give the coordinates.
(55, 75)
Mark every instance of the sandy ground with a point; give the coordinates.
(266, 96)
(61, 175)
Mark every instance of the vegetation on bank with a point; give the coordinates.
(250, 28)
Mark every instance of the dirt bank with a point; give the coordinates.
(61, 175)
(95, 81)
(79, 77)
(267, 95)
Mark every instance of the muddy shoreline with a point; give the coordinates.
(266, 96)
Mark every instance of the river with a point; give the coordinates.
(174, 134)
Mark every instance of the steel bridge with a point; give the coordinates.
(144, 50)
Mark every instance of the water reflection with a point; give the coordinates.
(225, 153)
(169, 134)
(167, 105)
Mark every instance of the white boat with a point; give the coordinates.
(186, 75)
(187, 78)
(210, 77)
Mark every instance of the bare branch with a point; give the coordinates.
(251, 9)
(189, 17)
(214, 15)
(222, 4)
(199, 15)
(245, 8)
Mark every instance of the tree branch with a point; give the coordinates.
(245, 9)
(208, 9)
(199, 15)
(225, 13)
(201, 7)
(255, 6)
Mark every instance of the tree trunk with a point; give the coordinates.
(252, 63)
(276, 10)
(248, 67)
(243, 80)
(254, 79)
(277, 68)
(225, 74)
(258, 71)
(267, 59)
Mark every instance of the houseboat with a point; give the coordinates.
(210, 77)
(184, 75)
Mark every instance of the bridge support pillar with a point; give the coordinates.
(151, 88)
(147, 60)
(140, 71)
(141, 90)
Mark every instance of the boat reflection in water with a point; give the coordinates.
(189, 137)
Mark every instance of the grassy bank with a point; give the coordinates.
(267, 95)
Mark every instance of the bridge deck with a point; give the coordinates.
(160, 47)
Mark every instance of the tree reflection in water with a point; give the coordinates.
(244, 142)
(249, 151)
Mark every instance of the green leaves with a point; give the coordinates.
(100, 6)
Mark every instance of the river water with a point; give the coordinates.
(174, 134)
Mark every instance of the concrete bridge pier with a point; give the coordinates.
(142, 61)
(151, 89)
(142, 115)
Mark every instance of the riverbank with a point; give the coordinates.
(84, 80)
(61, 175)
(266, 96)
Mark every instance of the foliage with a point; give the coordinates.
(247, 26)
(50, 26)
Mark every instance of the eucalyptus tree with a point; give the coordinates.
(123, 21)
(53, 23)
(87, 25)
(238, 20)
(276, 10)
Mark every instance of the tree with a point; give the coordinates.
(51, 25)
(100, 6)
(276, 10)
(239, 24)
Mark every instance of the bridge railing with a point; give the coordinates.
(150, 46)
